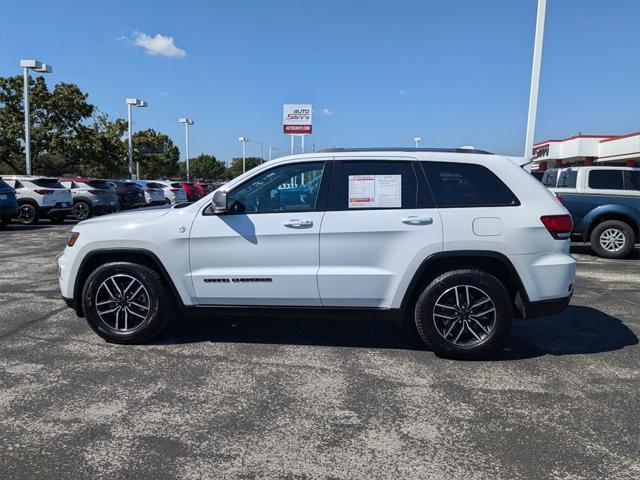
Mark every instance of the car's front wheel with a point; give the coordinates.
(126, 302)
(464, 314)
(27, 214)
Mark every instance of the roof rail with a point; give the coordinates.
(405, 149)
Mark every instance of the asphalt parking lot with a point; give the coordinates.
(297, 399)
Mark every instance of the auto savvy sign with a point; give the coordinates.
(296, 119)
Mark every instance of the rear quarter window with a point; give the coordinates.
(632, 180)
(466, 185)
(606, 179)
(568, 179)
(550, 178)
(47, 183)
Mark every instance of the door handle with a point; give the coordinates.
(416, 220)
(297, 223)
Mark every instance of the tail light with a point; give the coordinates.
(43, 192)
(174, 190)
(96, 192)
(559, 226)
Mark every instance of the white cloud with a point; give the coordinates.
(158, 45)
(402, 92)
(327, 112)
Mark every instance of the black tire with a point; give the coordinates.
(496, 325)
(27, 214)
(161, 307)
(58, 219)
(612, 239)
(81, 210)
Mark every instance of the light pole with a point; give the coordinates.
(535, 78)
(417, 140)
(133, 102)
(271, 149)
(187, 122)
(244, 141)
(261, 148)
(36, 66)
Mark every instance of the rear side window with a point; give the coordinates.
(550, 178)
(568, 179)
(632, 180)
(47, 183)
(153, 185)
(605, 179)
(366, 185)
(98, 184)
(466, 185)
(176, 185)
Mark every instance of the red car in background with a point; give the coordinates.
(193, 192)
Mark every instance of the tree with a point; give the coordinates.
(59, 127)
(157, 155)
(207, 167)
(236, 165)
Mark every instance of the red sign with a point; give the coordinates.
(297, 129)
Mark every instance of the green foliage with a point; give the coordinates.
(207, 167)
(236, 165)
(157, 155)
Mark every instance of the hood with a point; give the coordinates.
(130, 216)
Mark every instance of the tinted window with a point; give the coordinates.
(550, 178)
(568, 179)
(632, 180)
(377, 184)
(98, 184)
(3, 184)
(466, 185)
(605, 179)
(289, 188)
(176, 185)
(47, 183)
(153, 185)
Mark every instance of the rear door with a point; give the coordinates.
(381, 223)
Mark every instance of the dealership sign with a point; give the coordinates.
(541, 151)
(296, 119)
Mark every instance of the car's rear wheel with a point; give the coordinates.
(464, 314)
(81, 210)
(126, 302)
(27, 214)
(612, 239)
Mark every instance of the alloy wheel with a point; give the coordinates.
(464, 315)
(81, 211)
(122, 303)
(612, 240)
(26, 214)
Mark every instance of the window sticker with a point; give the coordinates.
(375, 191)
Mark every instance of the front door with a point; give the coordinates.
(264, 250)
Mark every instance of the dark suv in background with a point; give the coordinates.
(8, 204)
(130, 194)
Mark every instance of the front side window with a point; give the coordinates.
(466, 185)
(288, 188)
(605, 179)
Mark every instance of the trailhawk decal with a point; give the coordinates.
(239, 280)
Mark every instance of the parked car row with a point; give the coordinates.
(28, 199)
(604, 203)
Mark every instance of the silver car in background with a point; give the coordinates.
(173, 191)
(90, 197)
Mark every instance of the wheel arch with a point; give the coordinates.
(494, 263)
(138, 256)
(620, 215)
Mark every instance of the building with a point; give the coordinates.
(588, 150)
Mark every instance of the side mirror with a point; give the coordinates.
(219, 202)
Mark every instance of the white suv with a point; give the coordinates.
(457, 241)
(173, 191)
(40, 197)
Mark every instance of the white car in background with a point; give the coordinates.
(153, 192)
(173, 191)
(40, 197)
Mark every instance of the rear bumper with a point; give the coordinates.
(546, 307)
(49, 211)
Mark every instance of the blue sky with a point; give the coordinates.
(455, 72)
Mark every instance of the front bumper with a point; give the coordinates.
(545, 308)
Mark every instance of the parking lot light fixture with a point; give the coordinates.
(417, 141)
(244, 141)
(39, 67)
(271, 149)
(186, 122)
(133, 102)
